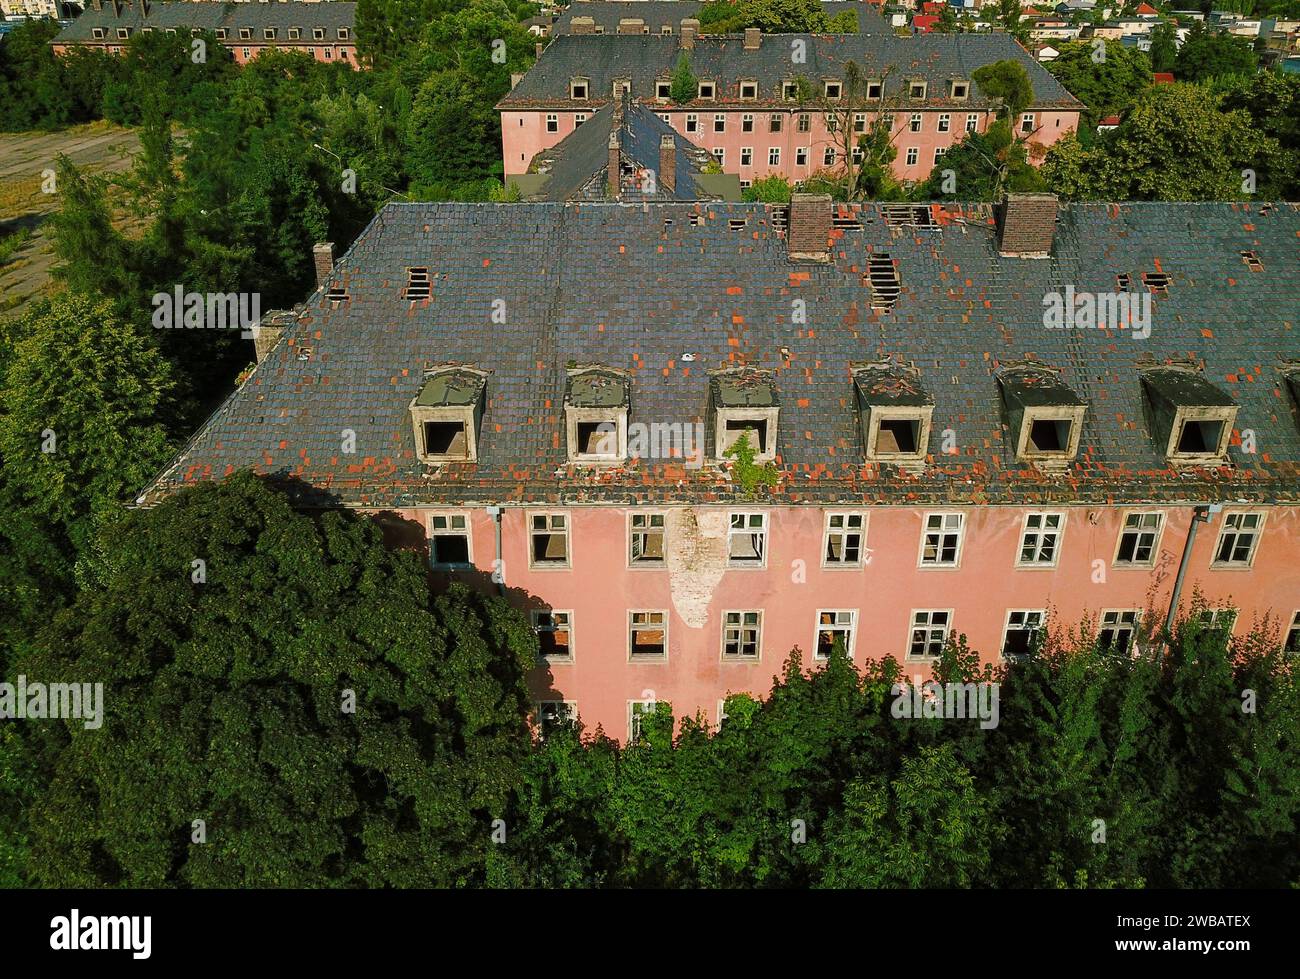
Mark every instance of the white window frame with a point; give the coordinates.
(692, 122)
(534, 618)
(942, 531)
(801, 156)
(833, 627)
(843, 531)
(448, 531)
(928, 625)
(1155, 545)
(1224, 530)
(634, 715)
(774, 156)
(1024, 614)
(747, 122)
(913, 156)
(764, 532)
(568, 540)
(719, 122)
(1211, 618)
(1120, 620)
(719, 153)
(633, 626)
(972, 122)
(552, 122)
(828, 156)
(1039, 532)
(1027, 122)
(1292, 646)
(742, 626)
(633, 532)
(914, 123)
(746, 156)
(571, 708)
(945, 122)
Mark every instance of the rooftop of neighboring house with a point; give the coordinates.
(658, 14)
(912, 298)
(577, 167)
(1162, 78)
(648, 59)
(208, 15)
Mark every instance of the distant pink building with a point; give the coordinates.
(748, 111)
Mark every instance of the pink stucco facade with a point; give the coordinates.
(696, 587)
(790, 142)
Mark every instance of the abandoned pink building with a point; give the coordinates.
(543, 397)
(773, 104)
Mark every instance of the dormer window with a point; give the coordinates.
(578, 89)
(916, 89)
(97, 32)
(123, 33)
(960, 90)
(789, 91)
(268, 33)
(446, 414)
(596, 403)
(1044, 416)
(745, 406)
(875, 90)
(749, 90)
(245, 33)
(894, 413)
(1190, 419)
(344, 33)
(318, 33)
(707, 90)
(295, 33)
(194, 32)
(834, 90)
(663, 89)
(221, 33)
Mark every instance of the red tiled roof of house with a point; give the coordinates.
(1146, 8)
(923, 22)
(1162, 78)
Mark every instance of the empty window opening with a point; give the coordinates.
(1049, 435)
(598, 438)
(449, 540)
(445, 439)
(1118, 629)
(908, 215)
(747, 538)
(737, 224)
(847, 222)
(336, 294)
(648, 635)
(1137, 542)
(418, 285)
(834, 628)
(753, 428)
(647, 538)
(550, 539)
(1292, 644)
(1200, 437)
(554, 633)
(1021, 633)
(900, 435)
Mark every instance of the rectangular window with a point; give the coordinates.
(774, 156)
(552, 123)
(554, 633)
(1219, 620)
(123, 33)
(938, 152)
(549, 540)
(874, 90)
(268, 33)
(1237, 540)
(1021, 631)
(832, 123)
(845, 535)
(913, 154)
(746, 156)
(1027, 122)
(828, 157)
(245, 33)
(663, 90)
(747, 540)
(647, 635)
(804, 123)
(449, 545)
(646, 540)
(914, 124)
(706, 90)
(692, 122)
(742, 635)
(835, 626)
(580, 117)
(295, 33)
(916, 90)
(318, 33)
(801, 156)
(578, 89)
(929, 633)
(719, 154)
(637, 710)
(941, 542)
(1118, 630)
(1292, 642)
(97, 32)
(747, 123)
(1139, 540)
(720, 123)
(833, 91)
(1040, 540)
(774, 122)
(945, 122)
(789, 91)
(748, 90)
(344, 33)
(859, 122)
(972, 122)
(554, 715)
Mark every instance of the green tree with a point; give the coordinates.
(1164, 47)
(774, 189)
(1106, 87)
(685, 87)
(1205, 56)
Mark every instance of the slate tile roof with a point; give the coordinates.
(658, 13)
(645, 59)
(620, 285)
(208, 15)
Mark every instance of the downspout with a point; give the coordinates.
(498, 565)
(1202, 515)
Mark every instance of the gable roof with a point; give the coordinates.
(643, 60)
(658, 14)
(669, 292)
(208, 15)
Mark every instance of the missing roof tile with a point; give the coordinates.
(1124, 282)
(882, 277)
(1252, 261)
(1156, 282)
(847, 222)
(908, 215)
(737, 224)
(337, 294)
(418, 284)
(781, 218)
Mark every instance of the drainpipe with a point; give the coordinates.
(1202, 515)
(498, 565)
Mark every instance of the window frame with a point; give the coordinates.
(535, 614)
(1258, 531)
(819, 627)
(467, 532)
(961, 540)
(828, 530)
(765, 533)
(535, 565)
(1155, 545)
(572, 706)
(633, 729)
(1025, 531)
(742, 625)
(643, 564)
(1006, 628)
(929, 626)
(631, 627)
(1119, 623)
(1290, 633)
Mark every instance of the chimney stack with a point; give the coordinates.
(1027, 225)
(689, 28)
(614, 167)
(668, 162)
(582, 25)
(809, 232)
(538, 48)
(322, 254)
(753, 38)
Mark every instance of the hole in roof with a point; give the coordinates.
(882, 277)
(1252, 261)
(695, 220)
(847, 222)
(780, 218)
(337, 294)
(1124, 281)
(418, 285)
(907, 215)
(1157, 282)
(737, 224)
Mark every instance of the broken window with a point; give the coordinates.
(1021, 632)
(747, 539)
(1219, 620)
(1118, 630)
(789, 91)
(1049, 435)
(1199, 437)
(549, 534)
(336, 294)
(916, 90)
(418, 284)
(663, 90)
(1237, 539)
(706, 90)
(596, 401)
(449, 545)
(554, 633)
(598, 438)
(1040, 538)
(446, 412)
(941, 542)
(1190, 418)
(845, 533)
(833, 90)
(1138, 540)
(1124, 282)
(637, 711)
(578, 89)
(742, 635)
(835, 627)
(648, 635)
(647, 538)
(929, 633)
(554, 715)
(749, 90)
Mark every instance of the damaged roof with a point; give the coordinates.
(670, 293)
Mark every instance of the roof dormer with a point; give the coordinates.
(745, 405)
(894, 413)
(447, 412)
(1044, 416)
(1190, 419)
(596, 404)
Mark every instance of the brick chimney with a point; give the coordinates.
(809, 233)
(582, 25)
(668, 162)
(538, 48)
(322, 254)
(614, 167)
(753, 38)
(1026, 225)
(690, 27)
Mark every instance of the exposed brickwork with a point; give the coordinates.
(1027, 225)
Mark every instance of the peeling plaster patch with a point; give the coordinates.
(697, 560)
